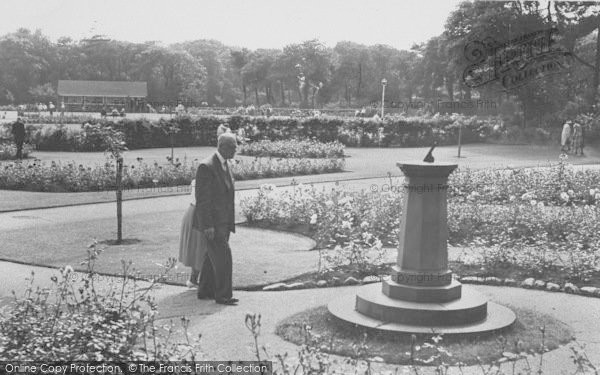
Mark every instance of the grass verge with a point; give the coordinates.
(335, 337)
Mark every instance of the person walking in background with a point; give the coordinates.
(241, 135)
(222, 129)
(577, 139)
(565, 137)
(215, 217)
(51, 108)
(18, 131)
(192, 243)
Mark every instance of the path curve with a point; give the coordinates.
(225, 336)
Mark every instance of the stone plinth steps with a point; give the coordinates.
(421, 296)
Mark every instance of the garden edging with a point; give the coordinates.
(529, 283)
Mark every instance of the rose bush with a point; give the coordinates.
(293, 149)
(40, 176)
(523, 231)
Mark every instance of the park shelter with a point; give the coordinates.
(95, 95)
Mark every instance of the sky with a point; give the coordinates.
(238, 23)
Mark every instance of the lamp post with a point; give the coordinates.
(383, 83)
(459, 137)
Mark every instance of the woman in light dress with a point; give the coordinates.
(192, 243)
(565, 137)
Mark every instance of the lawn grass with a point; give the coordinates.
(63, 244)
(345, 339)
(14, 200)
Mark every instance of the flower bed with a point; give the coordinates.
(559, 185)
(352, 226)
(293, 149)
(39, 176)
(8, 151)
(73, 320)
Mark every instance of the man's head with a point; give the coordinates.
(226, 145)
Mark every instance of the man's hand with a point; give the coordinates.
(210, 233)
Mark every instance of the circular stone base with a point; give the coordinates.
(498, 317)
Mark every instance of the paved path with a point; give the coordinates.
(224, 335)
(219, 324)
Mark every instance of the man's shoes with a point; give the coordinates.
(230, 301)
(190, 284)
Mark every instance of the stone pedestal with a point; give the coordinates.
(421, 295)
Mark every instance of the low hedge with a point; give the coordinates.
(202, 130)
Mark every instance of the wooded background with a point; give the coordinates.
(312, 75)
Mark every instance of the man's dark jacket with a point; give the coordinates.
(214, 196)
(18, 130)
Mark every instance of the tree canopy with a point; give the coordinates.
(312, 75)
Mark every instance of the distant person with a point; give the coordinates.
(577, 139)
(62, 108)
(103, 112)
(18, 131)
(241, 135)
(114, 113)
(223, 128)
(122, 113)
(51, 108)
(565, 137)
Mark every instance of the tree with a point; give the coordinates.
(239, 58)
(312, 61)
(350, 61)
(43, 93)
(256, 73)
(577, 20)
(115, 146)
(216, 58)
(22, 62)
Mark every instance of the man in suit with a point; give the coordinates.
(214, 216)
(18, 131)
